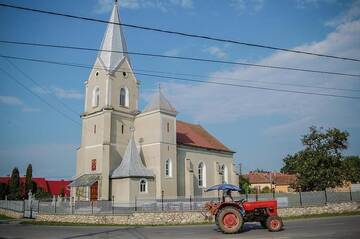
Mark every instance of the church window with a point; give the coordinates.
(168, 127)
(95, 129)
(168, 168)
(97, 73)
(225, 174)
(143, 187)
(124, 97)
(93, 165)
(96, 97)
(122, 129)
(202, 175)
(124, 74)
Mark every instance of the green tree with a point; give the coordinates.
(28, 180)
(4, 190)
(351, 169)
(244, 184)
(319, 165)
(14, 185)
(266, 189)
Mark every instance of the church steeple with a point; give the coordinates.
(113, 47)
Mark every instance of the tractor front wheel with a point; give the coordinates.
(274, 223)
(230, 220)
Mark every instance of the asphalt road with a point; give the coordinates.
(334, 227)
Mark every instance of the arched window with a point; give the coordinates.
(143, 187)
(124, 97)
(202, 174)
(96, 97)
(225, 174)
(168, 168)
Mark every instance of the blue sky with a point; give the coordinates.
(261, 126)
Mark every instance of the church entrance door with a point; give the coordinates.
(94, 191)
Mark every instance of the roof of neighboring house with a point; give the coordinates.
(196, 136)
(56, 186)
(52, 186)
(276, 178)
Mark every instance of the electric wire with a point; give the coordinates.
(180, 58)
(184, 34)
(187, 79)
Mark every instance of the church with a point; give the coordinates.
(126, 153)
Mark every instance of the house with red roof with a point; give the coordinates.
(279, 182)
(53, 187)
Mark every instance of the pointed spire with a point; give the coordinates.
(114, 40)
(131, 165)
(159, 103)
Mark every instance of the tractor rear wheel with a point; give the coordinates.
(274, 223)
(230, 220)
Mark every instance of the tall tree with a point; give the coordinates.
(351, 167)
(28, 180)
(14, 185)
(319, 165)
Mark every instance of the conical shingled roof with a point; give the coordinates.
(131, 165)
(114, 40)
(159, 102)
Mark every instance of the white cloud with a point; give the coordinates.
(59, 92)
(172, 52)
(67, 94)
(352, 13)
(251, 6)
(15, 101)
(10, 100)
(216, 51)
(221, 104)
(104, 6)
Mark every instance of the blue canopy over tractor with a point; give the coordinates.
(223, 187)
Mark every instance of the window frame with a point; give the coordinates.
(201, 175)
(126, 97)
(93, 165)
(168, 168)
(143, 182)
(96, 97)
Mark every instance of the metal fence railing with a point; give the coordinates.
(69, 206)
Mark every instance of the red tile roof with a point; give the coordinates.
(277, 178)
(52, 186)
(55, 187)
(196, 136)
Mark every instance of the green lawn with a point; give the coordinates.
(3, 217)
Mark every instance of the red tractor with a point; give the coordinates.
(230, 216)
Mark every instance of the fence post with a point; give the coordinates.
(38, 209)
(350, 195)
(256, 195)
(190, 203)
(162, 200)
(55, 205)
(326, 199)
(273, 193)
(112, 204)
(135, 204)
(92, 207)
(246, 195)
(23, 206)
(72, 205)
(30, 201)
(300, 198)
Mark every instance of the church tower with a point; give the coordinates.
(111, 103)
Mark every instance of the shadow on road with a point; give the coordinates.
(135, 232)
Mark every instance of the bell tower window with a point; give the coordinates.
(96, 97)
(124, 97)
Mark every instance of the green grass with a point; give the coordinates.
(3, 217)
(32, 222)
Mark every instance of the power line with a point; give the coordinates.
(38, 96)
(181, 58)
(38, 85)
(184, 34)
(182, 74)
(190, 80)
